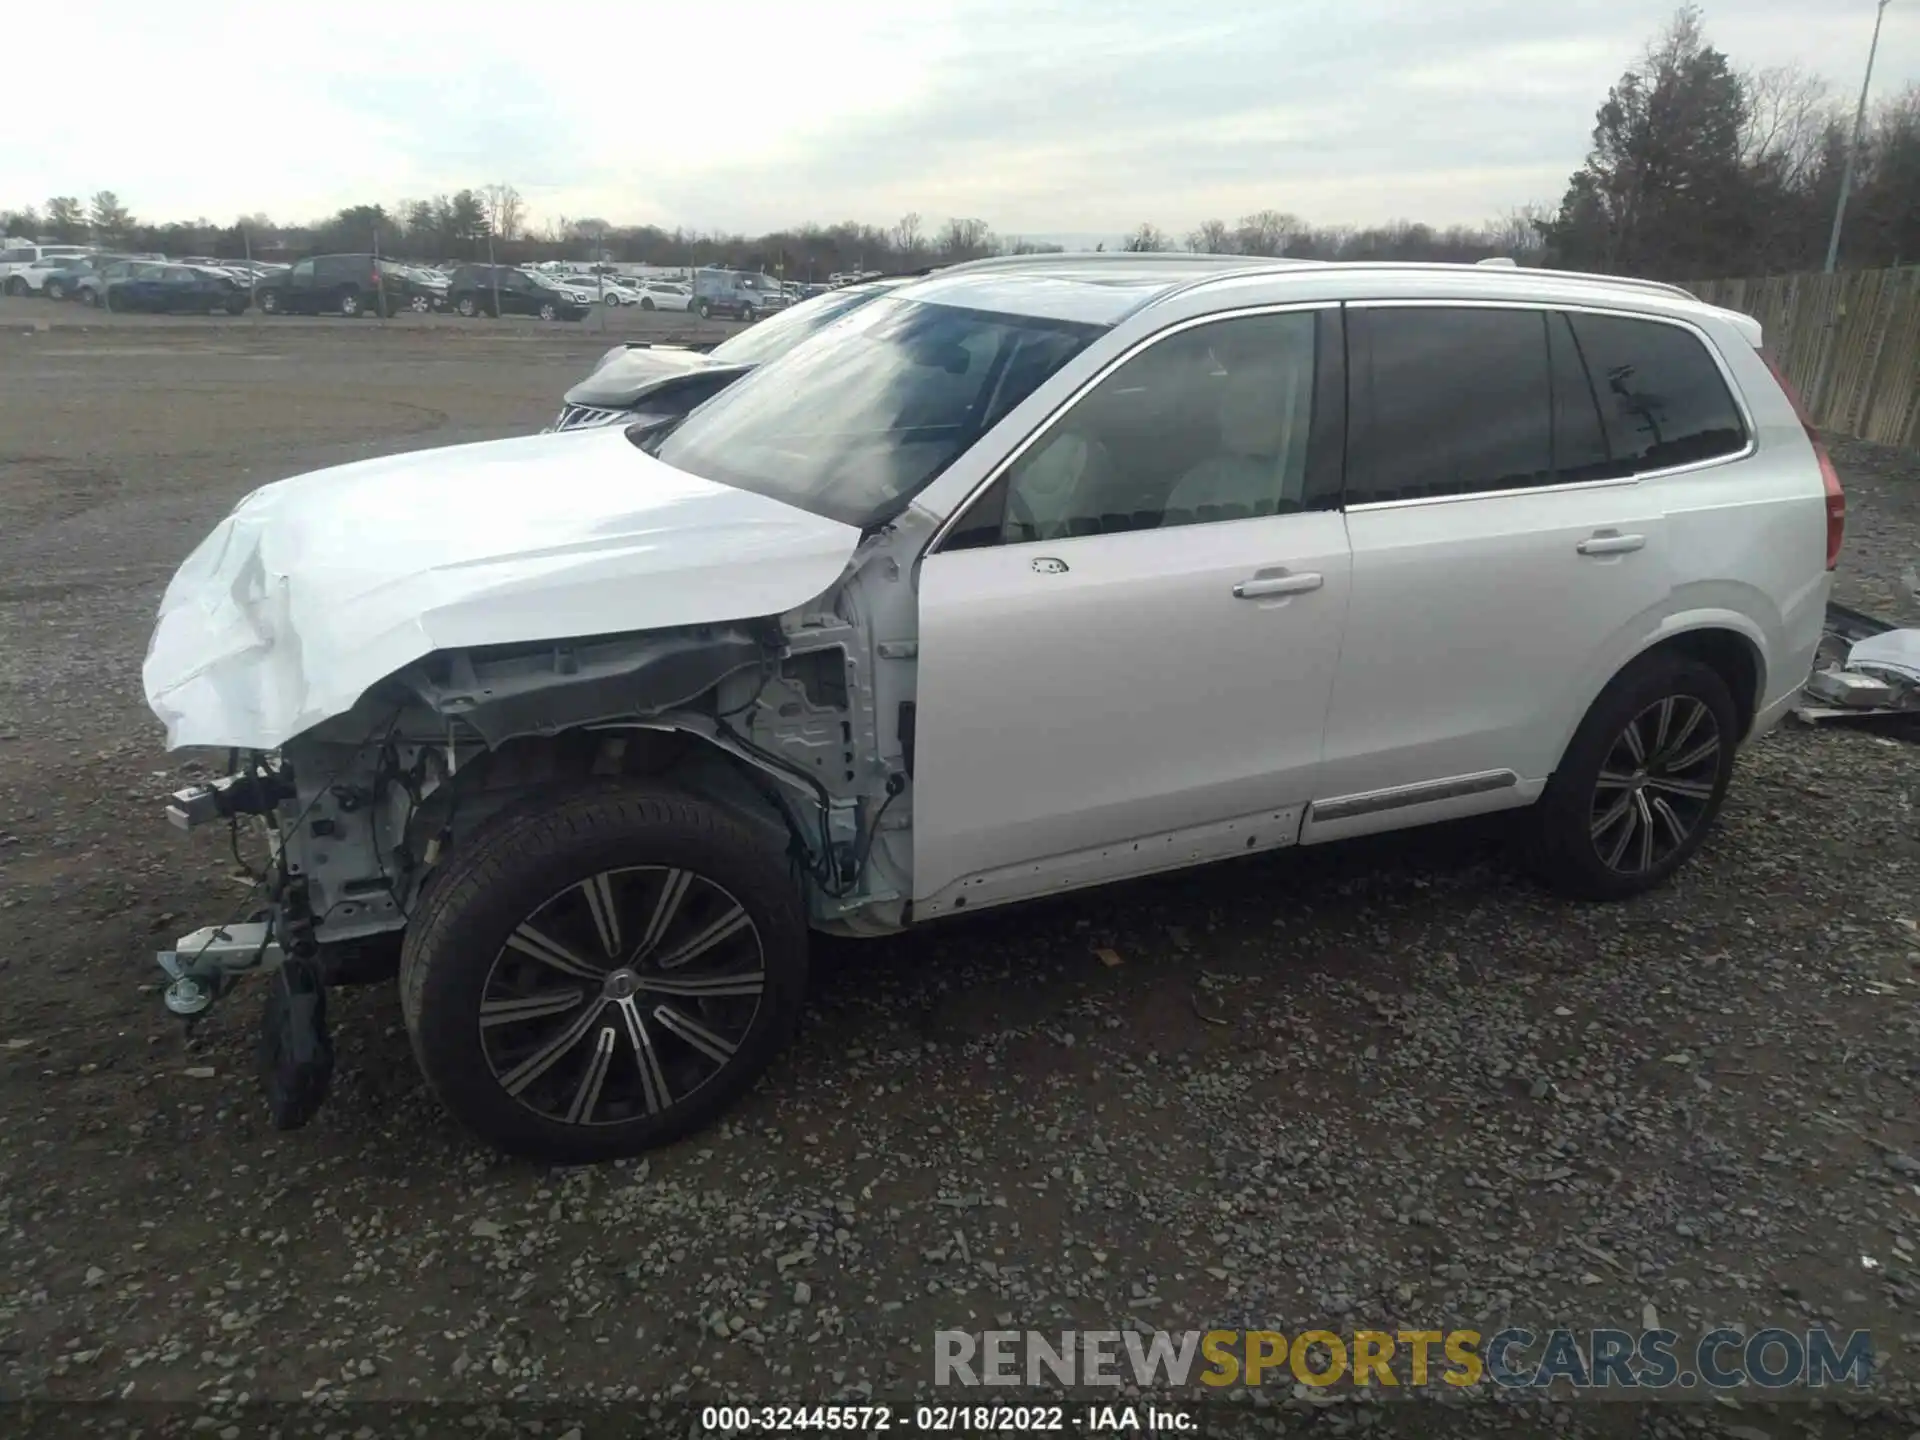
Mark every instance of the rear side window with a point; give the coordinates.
(1662, 398)
(1448, 401)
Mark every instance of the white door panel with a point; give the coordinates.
(1080, 691)
(1473, 621)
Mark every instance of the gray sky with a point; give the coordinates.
(1075, 116)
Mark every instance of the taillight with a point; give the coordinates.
(1836, 497)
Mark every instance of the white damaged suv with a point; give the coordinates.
(1034, 574)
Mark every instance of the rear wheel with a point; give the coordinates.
(16, 286)
(55, 290)
(89, 297)
(236, 306)
(600, 971)
(269, 303)
(646, 302)
(706, 310)
(420, 304)
(1642, 781)
(548, 312)
(350, 303)
(467, 307)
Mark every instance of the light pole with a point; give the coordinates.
(1853, 148)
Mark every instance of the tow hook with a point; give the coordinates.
(295, 1050)
(203, 965)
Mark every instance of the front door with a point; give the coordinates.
(1127, 642)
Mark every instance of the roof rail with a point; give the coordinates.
(1631, 282)
(1134, 257)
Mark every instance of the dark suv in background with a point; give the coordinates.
(337, 285)
(508, 290)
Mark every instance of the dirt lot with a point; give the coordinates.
(1386, 1085)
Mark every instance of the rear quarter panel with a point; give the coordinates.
(1747, 541)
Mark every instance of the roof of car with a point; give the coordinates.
(1104, 288)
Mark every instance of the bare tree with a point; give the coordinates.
(1788, 111)
(1146, 237)
(506, 211)
(1265, 232)
(907, 236)
(965, 239)
(1211, 238)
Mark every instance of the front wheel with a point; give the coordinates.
(467, 307)
(236, 307)
(547, 312)
(420, 304)
(706, 311)
(55, 290)
(603, 970)
(350, 304)
(16, 286)
(1642, 781)
(90, 298)
(646, 302)
(269, 303)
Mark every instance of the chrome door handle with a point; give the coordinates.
(1610, 542)
(1277, 585)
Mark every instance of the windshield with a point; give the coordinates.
(785, 329)
(856, 421)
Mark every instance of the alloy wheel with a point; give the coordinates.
(1656, 785)
(622, 996)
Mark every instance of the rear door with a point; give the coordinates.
(1127, 641)
(302, 289)
(1500, 548)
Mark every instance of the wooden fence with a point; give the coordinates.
(1850, 343)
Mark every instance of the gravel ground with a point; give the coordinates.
(1387, 1084)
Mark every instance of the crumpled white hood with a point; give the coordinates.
(316, 588)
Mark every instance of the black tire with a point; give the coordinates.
(236, 306)
(705, 311)
(548, 312)
(420, 304)
(467, 307)
(646, 302)
(1616, 820)
(16, 286)
(89, 297)
(567, 859)
(55, 290)
(269, 303)
(350, 304)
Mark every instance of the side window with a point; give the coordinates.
(1212, 423)
(1448, 401)
(302, 272)
(1662, 397)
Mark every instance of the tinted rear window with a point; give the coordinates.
(1449, 402)
(1661, 396)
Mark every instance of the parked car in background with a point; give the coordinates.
(350, 284)
(424, 289)
(65, 282)
(497, 290)
(656, 383)
(19, 255)
(174, 289)
(31, 278)
(736, 294)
